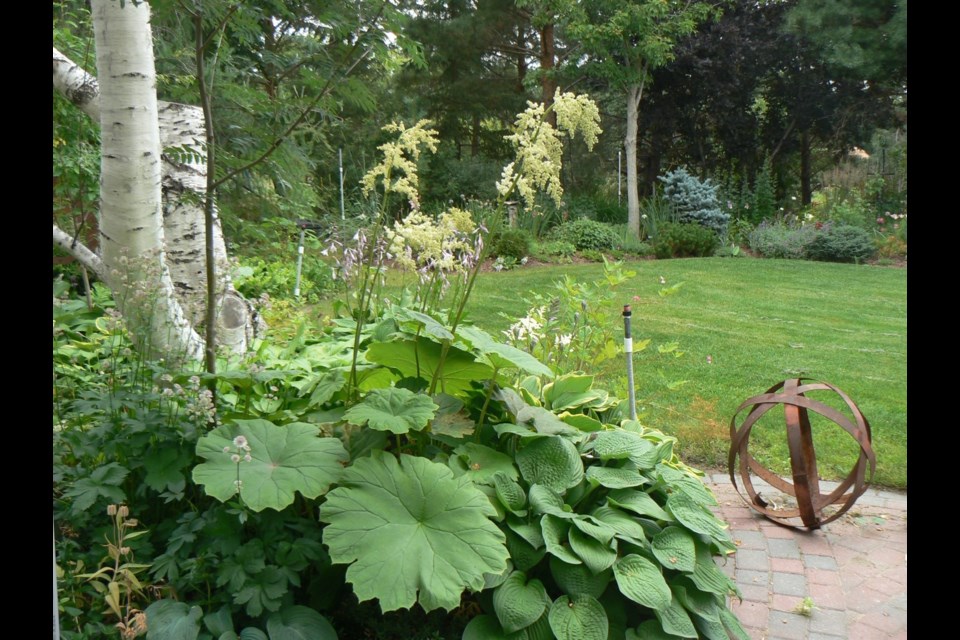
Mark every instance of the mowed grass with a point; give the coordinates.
(760, 322)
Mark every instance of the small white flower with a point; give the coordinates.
(235, 459)
(240, 442)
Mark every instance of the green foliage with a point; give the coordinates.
(277, 278)
(764, 195)
(840, 243)
(695, 200)
(778, 239)
(510, 243)
(739, 230)
(684, 241)
(586, 234)
(555, 249)
(891, 247)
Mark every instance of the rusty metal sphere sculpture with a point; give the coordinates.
(790, 394)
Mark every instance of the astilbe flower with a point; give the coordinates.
(421, 243)
(398, 171)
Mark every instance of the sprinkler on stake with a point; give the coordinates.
(628, 349)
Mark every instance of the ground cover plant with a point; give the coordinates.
(395, 454)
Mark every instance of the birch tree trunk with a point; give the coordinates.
(183, 186)
(131, 221)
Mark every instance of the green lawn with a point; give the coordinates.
(760, 321)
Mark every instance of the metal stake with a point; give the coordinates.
(343, 215)
(296, 287)
(628, 349)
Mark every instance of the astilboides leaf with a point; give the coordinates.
(407, 526)
(421, 359)
(393, 409)
(283, 460)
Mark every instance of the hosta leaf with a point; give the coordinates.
(483, 628)
(596, 555)
(695, 517)
(639, 502)
(508, 428)
(555, 538)
(421, 359)
(523, 554)
(690, 485)
(547, 423)
(529, 531)
(299, 623)
(620, 444)
(615, 478)
(483, 463)
(674, 619)
(552, 462)
(594, 528)
(708, 576)
(284, 460)
(627, 527)
(519, 603)
(503, 355)
(579, 399)
(510, 398)
(251, 633)
(578, 618)
(577, 579)
(571, 383)
(409, 526)
(675, 549)
(582, 422)
(732, 624)
(510, 494)
(703, 606)
(395, 410)
(545, 500)
(649, 630)
(169, 620)
(642, 581)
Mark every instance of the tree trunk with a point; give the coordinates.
(634, 94)
(131, 222)
(806, 190)
(548, 84)
(183, 186)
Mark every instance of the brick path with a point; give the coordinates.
(853, 569)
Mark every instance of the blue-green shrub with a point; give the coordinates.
(695, 200)
(780, 240)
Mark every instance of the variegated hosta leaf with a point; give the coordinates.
(409, 526)
(392, 409)
(283, 460)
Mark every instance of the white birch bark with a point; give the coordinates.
(86, 257)
(630, 149)
(183, 186)
(131, 222)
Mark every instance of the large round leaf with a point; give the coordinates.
(519, 603)
(284, 459)
(169, 620)
(552, 462)
(578, 618)
(393, 409)
(641, 581)
(421, 359)
(410, 526)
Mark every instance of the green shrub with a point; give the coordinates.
(739, 230)
(780, 240)
(841, 243)
(586, 234)
(685, 240)
(556, 249)
(695, 200)
(510, 243)
(254, 277)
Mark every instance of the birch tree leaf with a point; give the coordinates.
(407, 526)
(392, 409)
(284, 460)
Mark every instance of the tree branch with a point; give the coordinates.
(79, 251)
